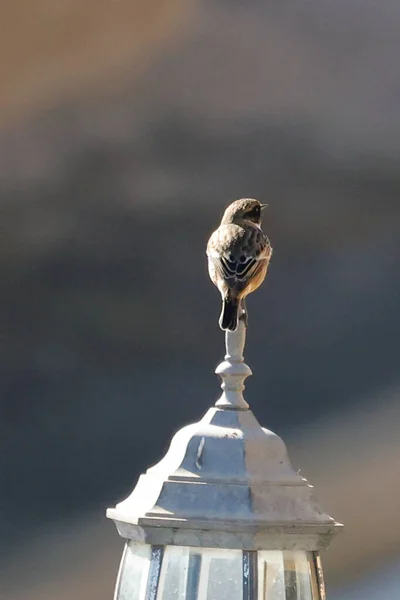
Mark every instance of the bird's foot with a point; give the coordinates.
(243, 314)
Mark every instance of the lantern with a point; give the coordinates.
(223, 516)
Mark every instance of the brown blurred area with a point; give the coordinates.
(126, 127)
(53, 51)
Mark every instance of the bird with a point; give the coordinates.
(238, 255)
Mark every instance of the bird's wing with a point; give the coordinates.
(240, 262)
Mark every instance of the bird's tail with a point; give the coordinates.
(229, 314)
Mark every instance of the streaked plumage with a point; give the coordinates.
(238, 257)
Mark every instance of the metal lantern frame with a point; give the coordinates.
(225, 484)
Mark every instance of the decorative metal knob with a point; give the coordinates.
(233, 370)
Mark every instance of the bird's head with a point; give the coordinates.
(245, 209)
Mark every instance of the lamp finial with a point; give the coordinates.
(233, 370)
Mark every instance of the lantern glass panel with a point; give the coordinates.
(132, 580)
(201, 574)
(288, 575)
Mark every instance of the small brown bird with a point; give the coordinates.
(238, 257)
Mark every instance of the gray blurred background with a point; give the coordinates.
(126, 127)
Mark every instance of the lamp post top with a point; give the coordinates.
(225, 482)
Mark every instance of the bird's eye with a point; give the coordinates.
(254, 210)
(254, 214)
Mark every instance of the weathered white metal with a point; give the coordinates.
(233, 371)
(225, 482)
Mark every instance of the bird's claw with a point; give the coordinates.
(243, 315)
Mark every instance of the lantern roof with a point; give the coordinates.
(226, 482)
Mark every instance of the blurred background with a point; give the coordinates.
(126, 127)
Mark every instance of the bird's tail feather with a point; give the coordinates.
(229, 314)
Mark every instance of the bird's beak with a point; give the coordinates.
(264, 206)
